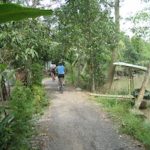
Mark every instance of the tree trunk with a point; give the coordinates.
(1, 94)
(114, 56)
(93, 82)
(143, 87)
(78, 74)
(111, 71)
(4, 1)
(22, 75)
(4, 89)
(78, 66)
(117, 14)
(93, 88)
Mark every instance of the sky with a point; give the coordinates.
(129, 8)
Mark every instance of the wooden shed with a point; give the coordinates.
(130, 67)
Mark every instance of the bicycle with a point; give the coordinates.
(61, 88)
(53, 76)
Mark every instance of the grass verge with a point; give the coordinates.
(129, 123)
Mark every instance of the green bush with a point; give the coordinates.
(5, 130)
(36, 74)
(16, 127)
(40, 99)
(21, 105)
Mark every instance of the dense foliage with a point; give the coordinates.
(23, 51)
(21, 109)
(37, 74)
(85, 33)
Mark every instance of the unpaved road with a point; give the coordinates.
(72, 122)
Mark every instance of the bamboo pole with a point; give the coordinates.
(143, 87)
(112, 96)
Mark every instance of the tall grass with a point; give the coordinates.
(130, 124)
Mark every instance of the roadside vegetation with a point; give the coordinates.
(129, 123)
(22, 97)
(18, 116)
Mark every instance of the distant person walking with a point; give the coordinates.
(52, 71)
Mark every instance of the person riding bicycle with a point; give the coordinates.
(52, 71)
(60, 69)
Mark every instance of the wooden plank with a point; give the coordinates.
(112, 96)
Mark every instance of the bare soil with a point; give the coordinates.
(73, 122)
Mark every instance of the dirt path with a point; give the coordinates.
(72, 122)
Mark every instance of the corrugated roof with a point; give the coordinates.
(130, 65)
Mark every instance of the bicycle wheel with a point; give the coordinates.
(60, 85)
(61, 89)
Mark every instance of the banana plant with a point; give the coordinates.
(14, 12)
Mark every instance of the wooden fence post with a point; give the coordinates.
(143, 87)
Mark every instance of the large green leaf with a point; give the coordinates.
(13, 12)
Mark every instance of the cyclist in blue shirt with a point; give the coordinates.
(60, 69)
